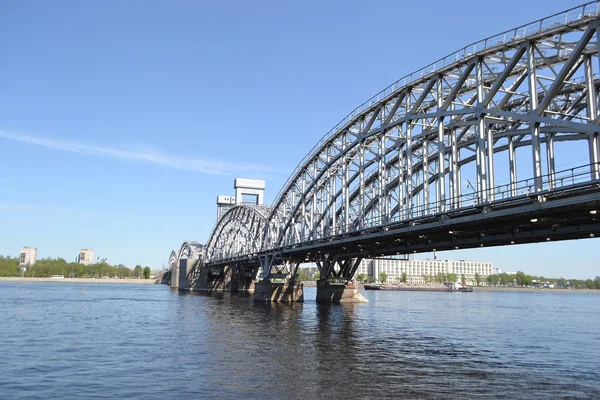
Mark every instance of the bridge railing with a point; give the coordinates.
(560, 180)
(572, 15)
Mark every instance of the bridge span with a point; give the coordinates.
(495, 144)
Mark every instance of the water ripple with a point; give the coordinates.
(73, 341)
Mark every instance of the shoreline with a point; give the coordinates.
(439, 288)
(528, 289)
(307, 284)
(81, 280)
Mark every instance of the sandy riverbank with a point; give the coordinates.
(80, 280)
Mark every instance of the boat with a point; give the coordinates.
(463, 289)
(458, 287)
(57, 277)
(375, 286)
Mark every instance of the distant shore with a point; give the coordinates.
(80, 280)
(530, 289)
(486, 288)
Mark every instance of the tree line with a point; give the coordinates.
(503, 279)
(522, 279)
(46, 267)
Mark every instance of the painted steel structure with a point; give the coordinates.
(239, 231)
(187, 250)
(418, 164)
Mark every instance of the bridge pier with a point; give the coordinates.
(193, 277)
(216, 280)
(288, 291)
(175, 277)
(187, 274)
(339, 293)
(245, 286)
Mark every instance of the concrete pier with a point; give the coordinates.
(246, 287)
(339, 293)
(175, 278)
(285, 292)
(213, 280)
(183, 274)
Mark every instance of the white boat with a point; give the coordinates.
(57, 277)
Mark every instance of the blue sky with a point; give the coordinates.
(120, 122)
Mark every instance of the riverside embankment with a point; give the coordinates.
(81, 280)
(435, 288)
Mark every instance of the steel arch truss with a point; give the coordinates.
(188, 250)
(437, 142)
(173, 259)
(238, 232)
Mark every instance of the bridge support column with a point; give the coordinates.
(336, 284)
(185, 267)
(209, 279)
(338, 293)
(175, 277)
(225, 281)
(288, 291)
(243, 278)
(190, 275)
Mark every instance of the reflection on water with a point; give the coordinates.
(64, 340)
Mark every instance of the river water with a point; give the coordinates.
(66, 341)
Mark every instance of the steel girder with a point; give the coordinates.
(173, 259)
(239, 231)
(442, 138)
(188, 249)
(403, 154)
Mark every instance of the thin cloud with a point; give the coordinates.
(141, 154)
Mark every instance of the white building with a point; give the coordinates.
(223, 204)
(86, 256)
(27, 256)
(418, 271)
(247, 191)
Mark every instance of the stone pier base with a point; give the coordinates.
(246, 287)
(288, 292)
(337, 294)
(185, 274)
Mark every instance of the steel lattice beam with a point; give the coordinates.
(411, 151)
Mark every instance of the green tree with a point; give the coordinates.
(463, 279)
(302, 275)
(137, 271)
(451, 277)
(403, 278)
(123, 271)
(360, 277)
(562, 283)
(317, 276)
(477, 279)
(505, 279)
(147, 272)
(520, 278)
(383, 277)
(590, 284)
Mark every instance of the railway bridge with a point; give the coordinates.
(496, 144)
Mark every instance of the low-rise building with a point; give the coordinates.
(419, 272)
